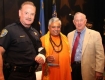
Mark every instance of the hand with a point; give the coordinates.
(1, 76)
(40, 59)
(99, 76)
(50, 59)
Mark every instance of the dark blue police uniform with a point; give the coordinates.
(20, 52)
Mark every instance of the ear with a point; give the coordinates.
(73, 21)
(19, 13)
(85, 21)
(48, 27)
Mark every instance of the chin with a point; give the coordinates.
(56, 35)
(29, 22)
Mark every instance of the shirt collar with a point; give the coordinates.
(81, 31)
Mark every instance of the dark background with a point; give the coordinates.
(94, 10)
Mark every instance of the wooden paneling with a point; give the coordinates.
(1, 14)
(11, 11)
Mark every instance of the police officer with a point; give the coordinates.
(23, 53)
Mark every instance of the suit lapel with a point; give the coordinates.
(72, 37)
(71, 40)
(86, 38)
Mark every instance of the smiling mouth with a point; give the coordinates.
(28, 19)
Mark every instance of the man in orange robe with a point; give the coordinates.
(58, 64)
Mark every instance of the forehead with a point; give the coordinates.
(79, 16)
(28, 6)
(55, 23)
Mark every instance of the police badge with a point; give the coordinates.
(3, 33)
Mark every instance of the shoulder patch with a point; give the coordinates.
(35, 33)
(3, 32)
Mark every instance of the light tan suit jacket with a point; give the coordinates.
(92, 53)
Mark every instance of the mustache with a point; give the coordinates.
(29, 19)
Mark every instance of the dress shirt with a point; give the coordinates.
(79, 47)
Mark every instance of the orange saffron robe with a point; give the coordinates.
(63, 71)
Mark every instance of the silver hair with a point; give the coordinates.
(80, 13)
(54, 19)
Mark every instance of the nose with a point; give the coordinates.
(29, 16)
(79, 22)
(56, 28)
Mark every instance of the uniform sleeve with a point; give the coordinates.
(38, 43)
(5, 38)
(41, 49)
